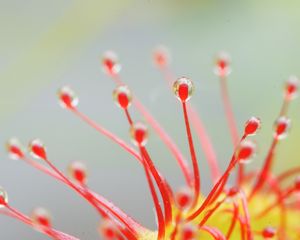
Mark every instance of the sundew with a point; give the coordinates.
(256, 205)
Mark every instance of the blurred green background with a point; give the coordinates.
(47, 44)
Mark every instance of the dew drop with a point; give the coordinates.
(122, 96)
(3, 198)
(269, 232)
(41, 217)
(188, 232)
(246, 151)
(281, 127)
(78, 172)
(184, 198)
(110, 63)
(108, 230)
(297, 184)
(291, 87)
(183, 88)
(232, 193)
(139, 134)
(67, 98)
(252, 126)
(161, 56)
(37, 149)
(222, 64)
(15, 149)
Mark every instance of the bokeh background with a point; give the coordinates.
(47, 44)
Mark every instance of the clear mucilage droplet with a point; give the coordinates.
(252, 126)
(67, 97)
(15, 149)
(110, 63)
(246, 151)
(183, 88)
(281, 127)
(41, 217)
(37, 149)
(78, 172)
(222, 64)
(139, 134)
(3, 198)
(122, 96)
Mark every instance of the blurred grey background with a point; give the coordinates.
(47, 44)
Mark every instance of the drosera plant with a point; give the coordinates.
(257, 205)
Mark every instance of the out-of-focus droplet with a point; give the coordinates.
(139, 134)
(3, 198)
(246, 151)
(184, 198)
(161, 56)
(297, 184)
(252, 126)
(67, 98)
(15, 149)
(188, 232)
(110, 63)
(108, 230)
(37, 149)
(122, 96)
(269, 232)
(41, 217)
(222, 64)
(183, 88)
(281, 127)
(78, 172)
(291, 88)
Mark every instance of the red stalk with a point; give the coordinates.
(263, 175)
(200, 130)
(197, 181)
(159, 214)
(233, 221)
(161, 133)
(160, 183)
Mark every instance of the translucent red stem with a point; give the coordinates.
(233, 220)
(159, 214)
(54, 234)
(162, 134)
(160, 183)
(200, 130)
(197, 181)
(265, 169)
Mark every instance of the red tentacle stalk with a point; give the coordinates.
(233, 220)
(106, 133)
(38, 150)
(246, 216)
(197, 181)
(167, 140)
(54, 234)
(229, 112)
(215, 233)
(242, 154)
(159, 214)
(175, 231)
(278, 202)
(160, 183)
(211, 212)
(183, 88)
(156, 126)
(162, 60)
(265, 170)
(139, 136)
(205, 141)
(287, 174)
